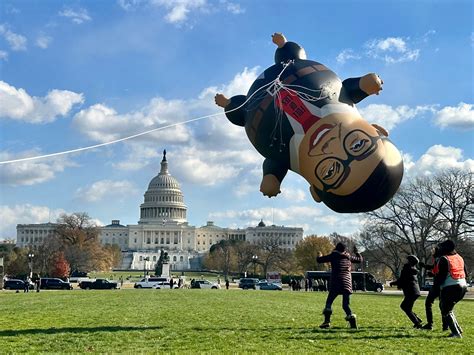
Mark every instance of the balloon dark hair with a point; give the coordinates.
(376, 191)
(289, 51)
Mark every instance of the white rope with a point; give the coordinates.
(135, 135)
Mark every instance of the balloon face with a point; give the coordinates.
(340, 153)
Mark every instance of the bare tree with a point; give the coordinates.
(423, 212)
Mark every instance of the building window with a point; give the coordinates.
(162, 240)
(154, 258)
(174, 258)
(148, 240)
(135, 240)
(181, 258)
(141, 258)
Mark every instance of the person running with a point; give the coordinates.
(434, 291)
(408, 282)
(452, 280)
(341, 282)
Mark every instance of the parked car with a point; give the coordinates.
(162, 285)
(150, 282)
(15, 284)
(47, 283)
(248, 283)
(205, 284)
(269, 286)
(99, 284)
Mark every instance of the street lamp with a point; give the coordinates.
(254, 260)
(144, 266)
(30, 263)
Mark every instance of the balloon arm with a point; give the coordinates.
(353, 90)
(273, 174)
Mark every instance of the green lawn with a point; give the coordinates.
(215, 321)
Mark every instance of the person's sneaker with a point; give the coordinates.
(445, 328)
(452, 335)
(325, 325)
(417, 326)
(427, 326)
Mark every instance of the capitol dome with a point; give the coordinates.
(163, 200)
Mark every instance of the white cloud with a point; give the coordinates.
(43, 41)
(129, 5)
(392, 50)
(252, 216)
(233, 8)
(17, 104)
(389, 117)
(179, 10)
(345, 55)
(24, 214)
(437, 157)
(104, 124)
(210, 151)
(30, 172)
(77, 16)
(293, 194)
(314, 219)
(103, 189)
(3, 55)
(16, 41)
(461, 116)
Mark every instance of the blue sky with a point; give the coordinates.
(79, 73)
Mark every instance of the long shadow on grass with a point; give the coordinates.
(75, 330)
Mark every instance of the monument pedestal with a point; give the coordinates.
(165, 271)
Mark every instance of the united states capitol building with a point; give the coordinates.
(163, 226)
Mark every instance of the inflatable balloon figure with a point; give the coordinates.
(300, 116)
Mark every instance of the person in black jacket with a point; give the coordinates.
(408, 282)
(434, 290)
(341, 282)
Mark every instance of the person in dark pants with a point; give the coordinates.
(408, 282)
(26, 285)
(434, 291)
(341, 282)
(226, 284)
(171, 283)
(452, 280)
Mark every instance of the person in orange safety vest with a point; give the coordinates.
(451, 277)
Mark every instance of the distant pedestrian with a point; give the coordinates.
(452, 279)
(341, 282)
(310, 284)
(408, 282)
(121, 281)
(180, 282)
(38, 284)
(226, 284)
(26, 285)
(306, 285)
(171, 283)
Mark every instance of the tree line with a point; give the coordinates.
(73, 245)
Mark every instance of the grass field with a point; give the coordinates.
(217, 321)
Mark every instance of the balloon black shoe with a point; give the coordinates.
(427, 326)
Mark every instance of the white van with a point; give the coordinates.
(150, 282)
